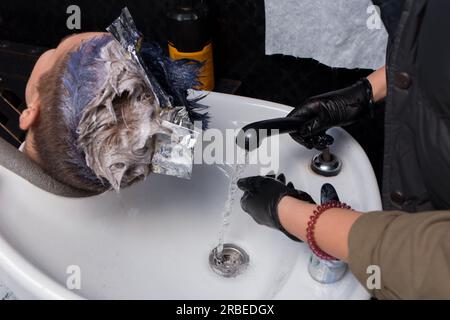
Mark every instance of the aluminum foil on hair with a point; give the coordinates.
(125, 32)
(174, 153)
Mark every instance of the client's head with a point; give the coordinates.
(91, 119)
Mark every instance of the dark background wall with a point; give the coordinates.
(238, 26)
(27, 27)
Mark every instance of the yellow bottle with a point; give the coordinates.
(190, 38)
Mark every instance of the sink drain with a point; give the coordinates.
(230, 263)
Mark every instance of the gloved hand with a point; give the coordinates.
(262, 196)
(333, 109)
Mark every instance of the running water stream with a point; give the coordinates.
(236, 174)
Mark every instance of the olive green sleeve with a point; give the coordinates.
(412, 252)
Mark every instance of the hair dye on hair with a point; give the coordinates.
(112, 118)
(101, 125)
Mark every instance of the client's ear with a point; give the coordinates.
(29, 116)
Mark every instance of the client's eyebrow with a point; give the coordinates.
(67, 37)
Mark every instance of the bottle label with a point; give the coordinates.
(206, 57)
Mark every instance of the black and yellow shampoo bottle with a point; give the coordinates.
(190, 37)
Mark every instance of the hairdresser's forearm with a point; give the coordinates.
(379, 84)
(332, 229)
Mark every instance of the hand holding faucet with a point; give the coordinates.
(333, 109)
(308, 123)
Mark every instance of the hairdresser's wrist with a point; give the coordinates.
(294, 215)
(379, 84)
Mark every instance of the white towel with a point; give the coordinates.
(338, 33)
(22, 147)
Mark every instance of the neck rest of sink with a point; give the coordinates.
(17, 162)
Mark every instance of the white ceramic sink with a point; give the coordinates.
(153, 241)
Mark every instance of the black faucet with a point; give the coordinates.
(249, 138)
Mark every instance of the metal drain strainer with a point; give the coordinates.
(231, 262)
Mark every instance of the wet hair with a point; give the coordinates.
(99, 120)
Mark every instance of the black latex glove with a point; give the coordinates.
(333, 109)
(262, 196)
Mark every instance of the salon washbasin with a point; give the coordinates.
(153, 240)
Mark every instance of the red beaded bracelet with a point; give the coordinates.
(312, 224)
